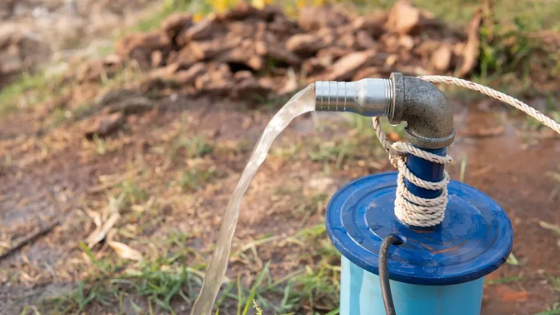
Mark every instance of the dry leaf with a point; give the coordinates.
(96, 217)
(99, 234)
(123, 250)
(146, 206)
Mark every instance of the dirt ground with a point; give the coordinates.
(167, 173)
(35, 32)
(62, 185)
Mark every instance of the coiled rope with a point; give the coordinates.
(422, 212)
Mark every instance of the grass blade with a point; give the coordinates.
(549, 226)
(512, 260)
(239, 295)
(551, 312)
(333, 312)
(505, 280)
(88, 252)
(257, 308)
(254, 289)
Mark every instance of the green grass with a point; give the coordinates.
(196, 146)
(505, 280)
(316, 282)
(287, 151)
(537, 14)
(156, 281)
(192, 147)
(88, 291)
(131, 192)
(131, 72)
(169, 7)
(511, 57)
(555, 311)
(359, 144)
(28, 90)
(253, 292)
(157, 286)
(556, 282)
(194, 179)
(173, 277)
(364, 126)
(336, 151)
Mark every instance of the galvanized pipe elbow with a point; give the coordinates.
(425, 109)
(417, 102)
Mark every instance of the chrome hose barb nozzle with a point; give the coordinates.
(367, 97)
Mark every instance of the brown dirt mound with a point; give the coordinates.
(249, 51)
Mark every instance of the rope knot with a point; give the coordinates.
(396, 155)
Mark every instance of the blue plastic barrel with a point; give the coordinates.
(436, 271)
(361, 294)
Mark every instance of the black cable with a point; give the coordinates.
(384, 272)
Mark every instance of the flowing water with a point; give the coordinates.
(301, 103)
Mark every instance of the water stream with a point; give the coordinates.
(301, 103)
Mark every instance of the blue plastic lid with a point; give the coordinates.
(474, 239)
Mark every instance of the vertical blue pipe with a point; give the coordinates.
(432, 172)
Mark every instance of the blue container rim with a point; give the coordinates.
(474, 239)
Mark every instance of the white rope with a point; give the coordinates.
(545, 120)
(422, 212)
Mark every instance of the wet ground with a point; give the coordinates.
(58, 175)
(516, 171)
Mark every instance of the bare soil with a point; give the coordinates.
(38, 188)
(175, 156)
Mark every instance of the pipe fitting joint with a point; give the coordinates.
(417, 102)
(425, 109)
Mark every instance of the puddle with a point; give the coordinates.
(516, 175)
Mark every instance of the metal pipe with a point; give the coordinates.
(367, 97)
(417, 102)
(425, 109)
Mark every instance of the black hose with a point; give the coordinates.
(384, 272)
